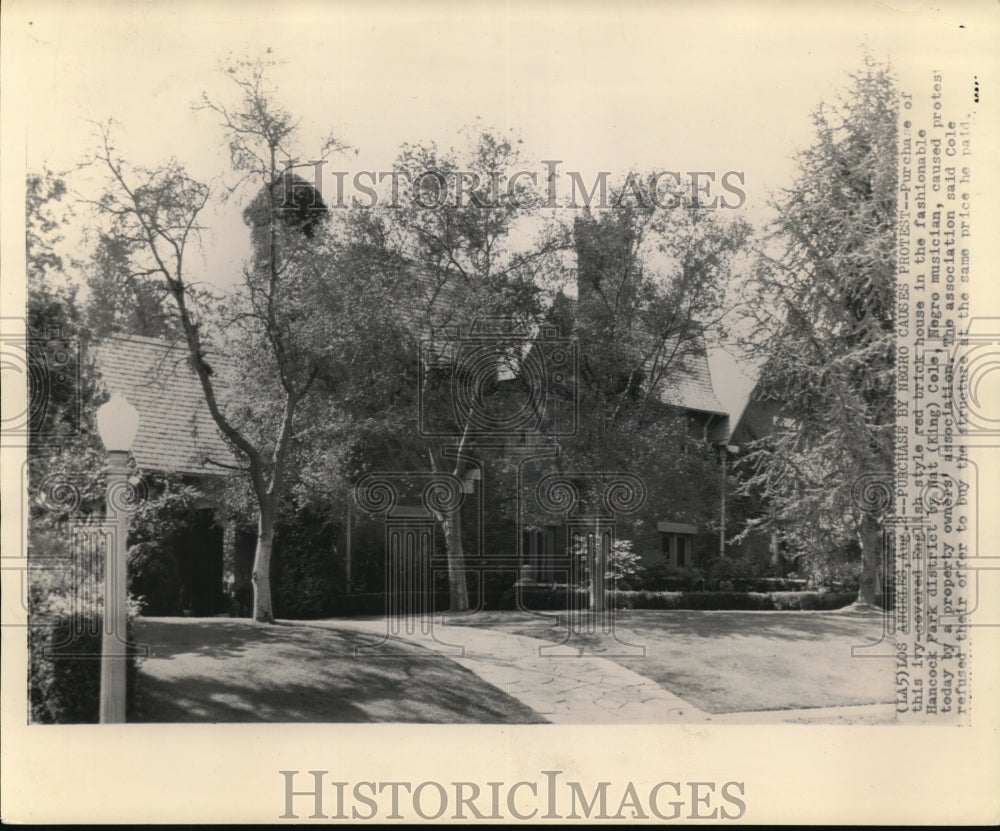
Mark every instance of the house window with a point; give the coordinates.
(676, 549)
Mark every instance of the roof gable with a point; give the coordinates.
(176, 431)
(689, 386)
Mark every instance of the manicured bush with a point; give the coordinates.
(153, 578)
(559, 597)
(745, 601)
(661, 576)
(765, 584)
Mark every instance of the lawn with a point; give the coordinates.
(724, 662)
(221, 670)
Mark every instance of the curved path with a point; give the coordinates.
(555, 681)
(565, 687)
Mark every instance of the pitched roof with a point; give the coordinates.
(756, 421)
(176, 431)
(690, 386)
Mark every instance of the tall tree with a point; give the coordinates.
(53, 313)
(651, 293)
(121, 301)
(457, 248)
(823, 314)
(62, 451)
(154, 217)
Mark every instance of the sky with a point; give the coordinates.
(712, 86)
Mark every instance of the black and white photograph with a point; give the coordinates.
(500, 412)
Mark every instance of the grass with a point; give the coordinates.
(725, 662)
(222, 670)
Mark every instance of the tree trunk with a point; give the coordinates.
(458, 590)
(262, 612)
(870, 537)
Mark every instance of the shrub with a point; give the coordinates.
(561, 597)
(304, 574)
(623, 566)
(744, 601)
(154, 579)
(65, 589)
(746, 566)
(65, 669)
(494, 585)
(763, 584)
(304, 589)
(557, 598)
(661, 576)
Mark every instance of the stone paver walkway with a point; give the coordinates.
(559, 684)
(568, 688)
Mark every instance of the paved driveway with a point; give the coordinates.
(672, 666)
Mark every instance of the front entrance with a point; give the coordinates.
(539, 554)
(198, 550)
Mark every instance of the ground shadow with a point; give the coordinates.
(728, 661)
(236, 671)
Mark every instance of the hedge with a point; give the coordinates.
(64, 683)
(779, 601)
(763, 584)
(153, 576)
(557, 599)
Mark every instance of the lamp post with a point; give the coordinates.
(117, 423)
(723, 450)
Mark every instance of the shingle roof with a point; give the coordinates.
(689, 387)
(692, 387)
(176, 430)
